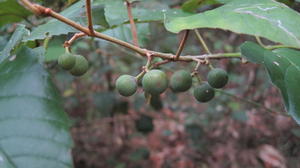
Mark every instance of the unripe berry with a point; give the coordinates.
(217, 78)
(126, 85)
(204, 93)
(155, 82)
(181, 81)
(81, 66)
(66, 61)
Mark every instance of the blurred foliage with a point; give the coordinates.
(227, 132)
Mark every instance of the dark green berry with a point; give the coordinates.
(144, 124)
(126, 85)
(217, 78)
(81, 66)
(155, 82)
(181, 81)
(204, 92)
(67, 61)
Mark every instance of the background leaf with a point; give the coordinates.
(55, 27)
(4, 162)
(11, 11)
(265, 18)
(283, 66)
(34, 129)
(15, 39)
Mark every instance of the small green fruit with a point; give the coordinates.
(181, 81)
(155, 82)
(144, 124)
(81, 66)
(66, 61)
(204, 93)
(217, 78)
(126, 85)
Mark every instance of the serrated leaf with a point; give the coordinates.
(15, 39)
(34, 129)
(54, 27)
(11, 11)
(264, 18)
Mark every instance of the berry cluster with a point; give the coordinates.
(156, 82)
(77, 65)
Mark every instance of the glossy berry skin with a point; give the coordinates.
(181, 81)
(204, 93)
(217, 78)
(155, 82)
(126, 85)
(81, 66)
(67, 61)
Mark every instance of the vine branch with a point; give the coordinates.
(41, 10)
(89, 16)
(182, 43)
(132, 24)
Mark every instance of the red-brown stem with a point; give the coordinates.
(161, 63)
(89, 16)
(75, 37)
(40, 10)
(132, 24)
(182, 43)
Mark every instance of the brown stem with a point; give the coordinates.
(40, 10)
(181, 45)
(161, 63)
(89, 16)
(75, 37)
(132, 24)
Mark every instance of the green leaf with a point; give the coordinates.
(54, 27)
(55, 49)
(253, 52)
(191, 5)
(11, 11)
(4, 162)
(283, 67)
(116, 13)
(34, 129)
(264, 18)
(15, 39)
(123, 32)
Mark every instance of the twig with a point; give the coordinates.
(259, 41)
(182, 43)
(204, 45)
(161, 63)
(202, 41)
(89, 16)
(132, 24)
(40, 10)
(75, 37)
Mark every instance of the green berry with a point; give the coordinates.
(217, 78)
(204, 93)
(81, 66)
(181, 81)
(126, 85)
(66, 61)
(155, 82)
(144, 124)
